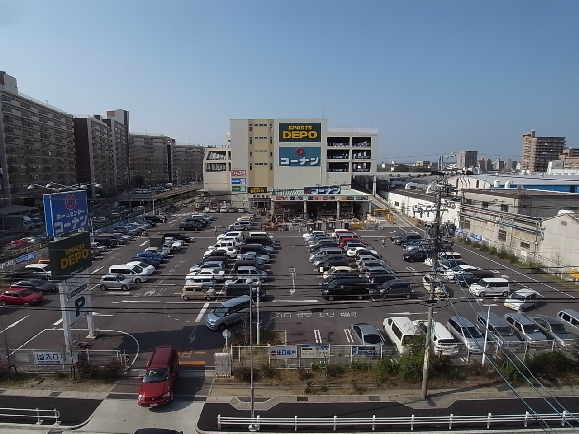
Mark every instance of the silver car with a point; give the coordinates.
(115, 281)
(554, 329)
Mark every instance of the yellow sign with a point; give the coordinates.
(300, 132)
(574, 272)
(256, 190)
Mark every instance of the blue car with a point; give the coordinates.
(150, 255)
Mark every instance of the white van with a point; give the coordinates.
(522, 299)
(490, 286)
(401, 331)
(443, 342)
(261, 234)
(570, 318)
(134, 271)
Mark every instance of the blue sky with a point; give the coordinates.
(433, 76)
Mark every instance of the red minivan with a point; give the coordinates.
(160, 376)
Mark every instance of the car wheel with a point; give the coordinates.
(103, 287)
(26, 304)
(408, 295)
(481, 294)
(137, 281)
(331, 298)
(221, 327)
(185, 298)
(506, 294)
(124, 287)
(207, 297)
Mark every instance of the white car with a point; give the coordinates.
(148, 269)
(215, 273)
(174, 243)
(236, 234)
(230, 252)
(337, 270)
(312, 234)
(352, 252)
(207, 264)
(454, 272)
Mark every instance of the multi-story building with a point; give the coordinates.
(485, 165)
(187, 163)
(36, 145)
(118, 122)
(150, 159)
(267, 158)
(466, 159)
(94, 149)
(538, 151)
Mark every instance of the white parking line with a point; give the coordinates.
(143, 243)
(349, 336)
(318, 336)
(57, 322)
(294, 301)
(202, 312)
(97, 270)
(14, 323)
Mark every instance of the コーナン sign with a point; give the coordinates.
(300, 132)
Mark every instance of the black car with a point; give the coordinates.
(198, 220)
(217, 257)
(378, 278)
(108, 242)
(148, 261)
(332, 277)
(24, 275)
(156, 218)
(329, 243)
(38, 285)
(190, 226)
(179, 236)
(416, 255)
(406, 236)
(357, 287)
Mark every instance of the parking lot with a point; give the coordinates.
(153, 313)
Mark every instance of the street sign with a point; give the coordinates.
(65, 212)
(238, 181)
(48, 358)
(75, 297)
(238, 189)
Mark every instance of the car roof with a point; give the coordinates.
(366, 328)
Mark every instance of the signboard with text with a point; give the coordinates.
(48, 358)
(323, 190)
(302, 156)
(256, 190)
(238, 173)
(238, 181)
(283, 352)
(238, 189)
(69, 255)
(75, 297)
(300, 132)
(65, 212)
(315, 351)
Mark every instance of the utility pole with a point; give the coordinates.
(435, 234)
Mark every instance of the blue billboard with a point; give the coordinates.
(239, 181)
(65, 212)
(300, 156)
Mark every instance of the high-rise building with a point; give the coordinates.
(36, 145)
(150, 159)
(466, 159)
(187, 162)
(118, 122)
(538, 151)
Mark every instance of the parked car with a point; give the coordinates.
(554, 329)
(467, 333)
(190, 226)
(115, 281)
(16, 244)
(366, 334)
(395, 288)
(38, 285)
(217, 274)
(20, 296)
(219, 265)
(24, 274)
(417, 255)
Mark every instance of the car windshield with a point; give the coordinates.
(471, 332)
(503, 331)
(559, 329)
(156, 375)
(531, 328)
(372, 339)
(220, 311)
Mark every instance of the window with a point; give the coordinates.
(477, 183)
(504, 208)
(270, 166)
(250, 166)
(270, 153)
(525, 245)
(485, 204)
(502, 235)
(250, 154)
(467, 224)
(250, 127)
(251, 140)
(563, 223)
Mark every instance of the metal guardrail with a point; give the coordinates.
(409, 421)
(31, 413)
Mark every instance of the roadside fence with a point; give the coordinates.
(46, 361)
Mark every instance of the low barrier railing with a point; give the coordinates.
(565, 418)
(31, 413)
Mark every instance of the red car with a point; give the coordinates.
(23, 296)
(160, 375)
(345, 241)
(16, 244)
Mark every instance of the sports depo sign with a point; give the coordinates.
(69, 255)
(309, 132)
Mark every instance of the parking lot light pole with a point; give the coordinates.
(486, 331)
(252, 426)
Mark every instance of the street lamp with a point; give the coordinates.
(252, 426)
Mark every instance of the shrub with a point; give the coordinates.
(493, 250)
(503, 254)
(269, 371)
(244, 374)
(334, 371)
(318, 367)
(387, 368)
(360, 366)
(483, 247)
(357, 388)
(550, 365)
(304, 374)
(410, 365)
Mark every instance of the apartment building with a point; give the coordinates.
(539, 151)
(466, 159)
(150, 159)
(36, 145)
(187, 163)
(94, 150)
(118, 122)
